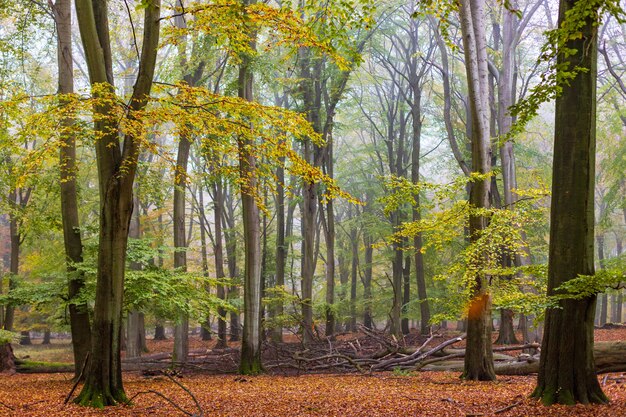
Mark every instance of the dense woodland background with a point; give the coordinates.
(324, 148)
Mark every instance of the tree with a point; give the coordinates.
(567, 373)
(479, 359)
(117, 164)
(251, 339)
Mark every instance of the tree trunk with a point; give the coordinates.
(159, 332)
(604, 300)
(367, 280)
(620, 294)
(133, 339)
(79, 314)
(309, 216)
(353, 277)
(233, 270)
(205, 331)
(479, 360)
(15, 236)
(567, 368)
(281, 247)
(46, 337)
(330, 254)
(116, 173)
(7, 359)
(251, 341)
(218, 252)
(406, 294)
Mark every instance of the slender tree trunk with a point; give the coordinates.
(406, 294)
(620, 294)
(218, 252)
(206, 326)
(233, 270)
(133, 338)
(16, 241)
(604, 301)
(567, 369)
(330, 252)
(251, 341)
(309, 216)
(478, 359)
(354, 239)
(46, 337)
(79, 314)
(281, 247)
(367, 280)
(344, 277)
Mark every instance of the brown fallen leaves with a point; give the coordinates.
(424, 394)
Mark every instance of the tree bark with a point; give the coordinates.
(251, 341)
(79, 314)
(218, 252)
(604, 299)
(567, 368)
(116, 172)
(479, 360)
(281, 247)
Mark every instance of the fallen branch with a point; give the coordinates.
(78, 378)
(507, 408)
(415, 356)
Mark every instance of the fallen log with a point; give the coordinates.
(609, 357)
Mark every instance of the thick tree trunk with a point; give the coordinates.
(46, 337)
(116, 173)
(159, 332)
(7, 359)
(478, 361)
(25, 338)
(567, 368)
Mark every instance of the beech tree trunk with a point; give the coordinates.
(79, 314)
(567, 369)
(479, 358)
(159, 332)
(251, 341)
(46, 337)
(7, 359)
(218, 252)
(604, 299)
(231, 253)
(281, 247)
(117, 163)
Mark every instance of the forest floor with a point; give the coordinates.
(380, 394)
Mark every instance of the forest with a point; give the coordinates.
(340, 207)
